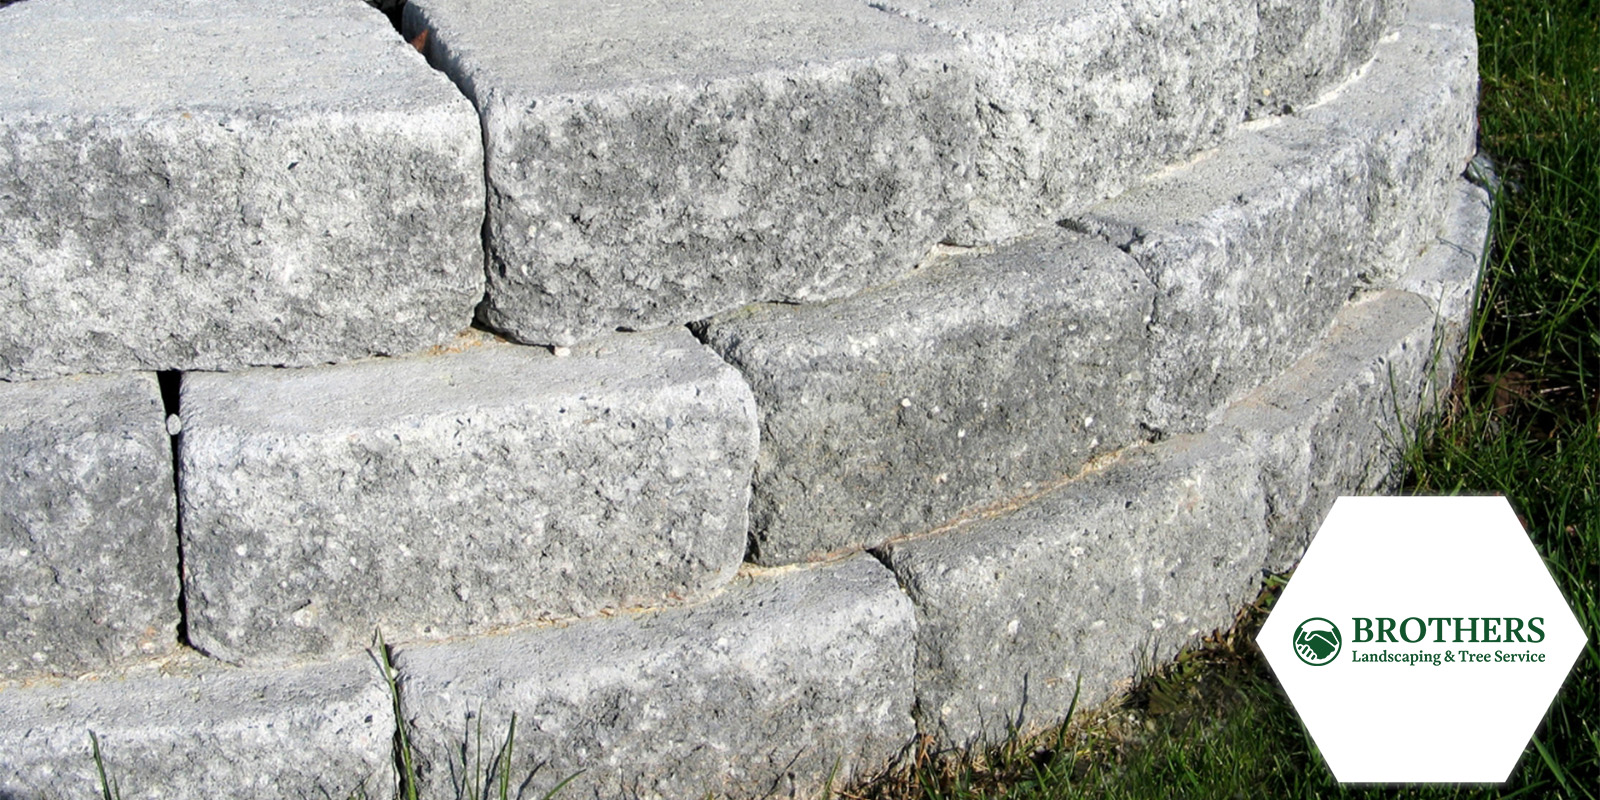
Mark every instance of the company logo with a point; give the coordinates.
(1317, 641)
(1442, 673)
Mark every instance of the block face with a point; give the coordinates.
(196, 731)
(1304, 49)
(782, 680)
(1446, 274)
(445, 495)
(1334, 423)
(1416, 113)
(1256, 245)
(891, 411)
(88, 542)
(310, 195)
(1252, 251)
(1079, 99)
(678, 159)
(1121, 565)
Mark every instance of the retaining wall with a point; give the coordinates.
(731, 392)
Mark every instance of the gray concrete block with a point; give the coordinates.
(193, 730)
(786, 680)
(658, 162)
(1336, 422)
(1108, 573)
(175, 195)
(1446, 274)
(88, 541)
(1304, 49)
(1079, 99)
(1255, 245)
(443, 495)
(1252, 249)
(1415, 112)
(892, 411)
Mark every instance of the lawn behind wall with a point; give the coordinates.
(1523, 421)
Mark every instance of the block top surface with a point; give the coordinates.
(1012, 16)
(92, 57)
(546, 47)
(479, 374)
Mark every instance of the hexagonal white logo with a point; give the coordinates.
(1421, 639)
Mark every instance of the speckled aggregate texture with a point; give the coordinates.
(194, 731)
(1304, 48)
(451, 494)
(1417, 113)
(1255, 245)
(894, 410)
(1074, 315)
(1334, 423)
(658, 162)
(1088, 583)
(88, 547)
(786, 681)
(1079, 99)
(175, 194)
(1114, 570)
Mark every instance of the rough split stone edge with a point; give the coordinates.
(451, 494)
(995, 612)
(161, 216)
(888, 411)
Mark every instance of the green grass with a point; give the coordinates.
(1523, 421)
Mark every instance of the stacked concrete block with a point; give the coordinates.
(1446, 274)
(1304, 49)
(1078, 99)
(188, 731)
(1110, 571)
(1068, 451)
(1254, 246)
(88, 545)
(451, 494)
(894, 410)
(1252, 250)
(1080, 588)
(652, 163)
(1246, 255)
(1415, 114)
(177, 195)
(1337, 421)
(786, 682)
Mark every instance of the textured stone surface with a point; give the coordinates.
(659, 162)
(1158, 543)
(1335, 422)
(1446, 274)
(785, 679)
(192, 730)
(449, 494)
(1415, 109)
(1252, 249)
(1078, 99)
(1254, 246)
(1304, 49)
(891, 411)
(88, 545)
(1089, 582)
(176, 195)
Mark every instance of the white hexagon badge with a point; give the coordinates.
(1421, 639)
